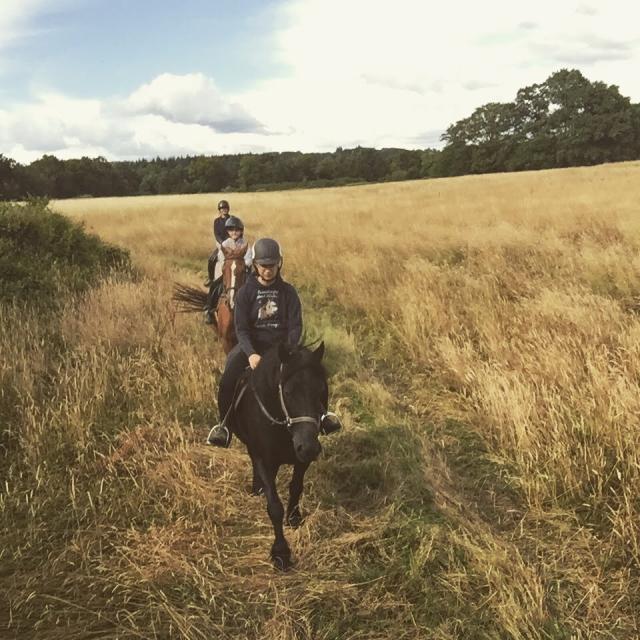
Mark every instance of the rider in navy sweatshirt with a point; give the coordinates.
(266, 314)
(267, 311)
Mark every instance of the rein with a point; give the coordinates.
(287, 421)
(229, 292)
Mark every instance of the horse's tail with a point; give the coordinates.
(189, 299)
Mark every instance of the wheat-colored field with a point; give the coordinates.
(483, 339)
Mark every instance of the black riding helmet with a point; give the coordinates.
(233, 222)
(223, 204)
(267, 251)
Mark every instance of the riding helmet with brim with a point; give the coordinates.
(223, 204)
(233, 222)
(267, 251)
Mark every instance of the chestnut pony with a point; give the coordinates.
(193, 299)
(233, 276)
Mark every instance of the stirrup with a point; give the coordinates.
(329, 423)
(208, 316)
(219, 436)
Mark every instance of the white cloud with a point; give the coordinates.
(121, 129)
(191, 99)
(16, 17)
(358, 72)
(380, 72)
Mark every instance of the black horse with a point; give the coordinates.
(278, 419)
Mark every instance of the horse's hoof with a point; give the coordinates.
(295, 519)
(282, 563)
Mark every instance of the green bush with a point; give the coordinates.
(43, 254)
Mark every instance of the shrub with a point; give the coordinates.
(43, 254)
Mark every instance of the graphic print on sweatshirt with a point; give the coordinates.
(268, 306)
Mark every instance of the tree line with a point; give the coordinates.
(565, 121)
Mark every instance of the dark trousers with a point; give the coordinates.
(215, 291)
(211, 264)
(235, 365)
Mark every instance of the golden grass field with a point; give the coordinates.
(483, 337)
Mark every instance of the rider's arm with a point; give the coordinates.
(294, 317)
(242, 323)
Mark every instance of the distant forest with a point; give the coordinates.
(566, 121)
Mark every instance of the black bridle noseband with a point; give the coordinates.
(287, 421)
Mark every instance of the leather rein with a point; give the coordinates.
(287, 421)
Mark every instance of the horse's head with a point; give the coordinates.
(303, 393)
(233, 271)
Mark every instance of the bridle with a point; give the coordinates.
(229, 292)
(287, 421)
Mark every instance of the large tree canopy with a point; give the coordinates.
(565, 121)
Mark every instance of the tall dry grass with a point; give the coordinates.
(483, 337)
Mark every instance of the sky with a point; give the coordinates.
(128, 79)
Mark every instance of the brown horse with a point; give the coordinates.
(233, 276)
(193, 299)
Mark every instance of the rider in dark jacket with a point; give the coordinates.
(220, 234)
(231, 224)
(268, 311)
(219, 231)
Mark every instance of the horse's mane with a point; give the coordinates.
(299, 357)
(234, 253)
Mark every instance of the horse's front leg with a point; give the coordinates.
(224, 321)
(257, 487)
(280, 552)
(294, 516)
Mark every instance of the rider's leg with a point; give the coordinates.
(215, 290)
(211, 268)
(236, 363)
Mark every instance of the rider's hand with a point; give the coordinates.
(254, 360)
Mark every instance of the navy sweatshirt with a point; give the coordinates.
(266, 315)
(219, 230)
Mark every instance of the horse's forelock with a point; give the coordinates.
(300, 357)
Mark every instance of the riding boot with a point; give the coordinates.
(329, 423)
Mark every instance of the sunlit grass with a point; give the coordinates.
(482, 338)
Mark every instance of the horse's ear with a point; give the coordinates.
(319, 351)
(226, 251)
(283, 352)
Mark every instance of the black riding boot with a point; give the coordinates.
(237, 362)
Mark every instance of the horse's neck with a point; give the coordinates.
(264, 382)
(236, 252)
